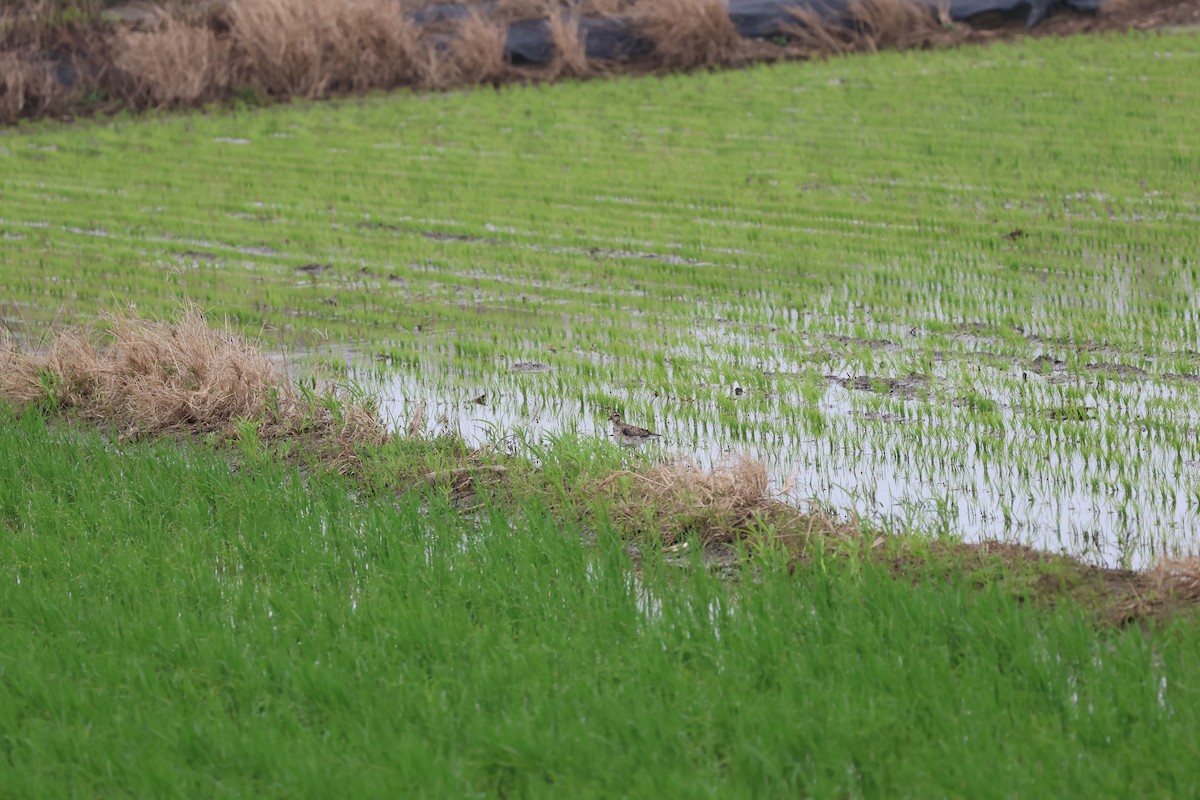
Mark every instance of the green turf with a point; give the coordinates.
(168, 628)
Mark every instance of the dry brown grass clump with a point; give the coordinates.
(309, 49)
(1179, 579)
(603, 8)
(476, 54)
(512, 10)
(570, 51)
(283, 44)
(154, 377)
(729, 503)
(36, 46)
(381, 48)
(877, 25)
(177, 63)
(896, 24)
(25, 23)
(20, 377)
(687, 33)
(28, 88)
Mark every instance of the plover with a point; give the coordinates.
(630, 435)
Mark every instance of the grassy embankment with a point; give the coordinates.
(170, 627)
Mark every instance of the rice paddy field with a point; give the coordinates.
(950, 294)
(951, 291)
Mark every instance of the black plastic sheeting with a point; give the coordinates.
(765, 18)
(529, 42)
(608, 38)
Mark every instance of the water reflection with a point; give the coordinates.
(996, 467)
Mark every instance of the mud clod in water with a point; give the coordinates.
(906, 387)
(530, 367)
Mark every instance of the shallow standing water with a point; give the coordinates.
(906, 452)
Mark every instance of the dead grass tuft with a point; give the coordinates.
(174, 64)
(814, 33)
(300, 48)
(1178, 579)
(21, 383)
(476, 54)
(281, 44)
(602, 8)
(26, 24)
(729, 503)
(687, 33)
(1119, 8)
(151, 377)
(570, 50)
(380, 48)
(207, 13)
(28, 88)
(416, 424)
(896, 24)
(164, 376)
(513, 10)
(875, 25)
(156, 377)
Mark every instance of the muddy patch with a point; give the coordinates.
(854, 341)
(1045, 364)
(1175, 376)
(314, 269)
(1123, 371)
(906, 388)
(529, 368)
(1118, 597)
(890, 419)
(442, 236)
(1072, 414)
(599, 253)
(198, 255)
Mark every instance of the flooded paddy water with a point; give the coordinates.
(975, 447)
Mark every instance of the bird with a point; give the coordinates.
(630, 435)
